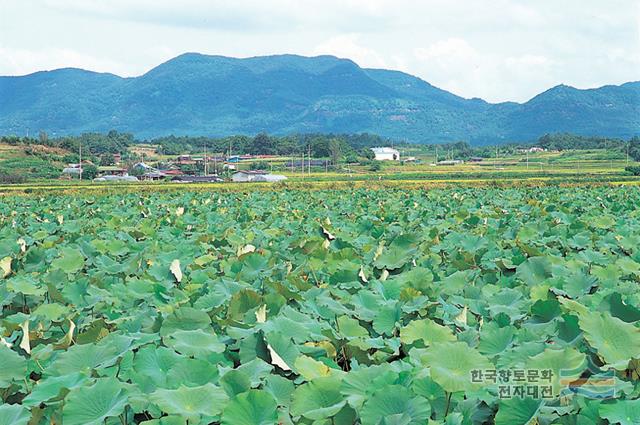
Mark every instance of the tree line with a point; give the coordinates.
(337, 147)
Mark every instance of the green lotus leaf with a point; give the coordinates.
(623, 311)
(196, 343)
(25, 285)
(92, 405)
(393, 257)
(427, 331)
(14, 366)
(517, 411)
(255, 407)
(310, 368)
(206, 400)
(386, 319)
(318, 399)
(358, 385)
(534, 271)
(395, 404)
(243, 301)
(185, 319)
(71, 260)
(52, 311)
(84, 358)
(152, 364)
(451, 364)
(191, 373)
(566, 365)
(351, 328)
(623, 412)
(14, 414)
(617, 342)
(281, 389)
(51, 387)
(494, 339)
(235, 381)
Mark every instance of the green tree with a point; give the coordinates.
(335, 150)
(89, 171)
(107, 159)
(634, 148)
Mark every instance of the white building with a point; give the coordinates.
(386, 154)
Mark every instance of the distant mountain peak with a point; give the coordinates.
(200, 94)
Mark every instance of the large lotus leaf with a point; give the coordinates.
(13, 366)
(452, 363)
(205, 400)
(151, 365)
(51, 387)
(25, 285)
(257, 370)
(52, 311)
(623, 311)
(71, 260)
(191, 373)
(393, 257)
(92, 405)
(566, 365)
(623, 412)
(234, 382)
(14, 414)
(455, 282)
(617, 342)
(395, 404)
(282, 350)
(318, 399)
(517, 411)
(196, 343)
(243, 301)
(534, 271)
(351, 328)
(185, 319)
(386, 319)
(281, 389)
(84, 358)
(494, 339)
(255, 407)
(427, 331)
(359, 384)
(310, 368)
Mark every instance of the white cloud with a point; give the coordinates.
(347, 46)
(24, 61)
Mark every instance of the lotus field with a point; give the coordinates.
(449, 306)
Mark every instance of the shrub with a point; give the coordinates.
(11, 178)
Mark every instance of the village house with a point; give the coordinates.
(386, 154)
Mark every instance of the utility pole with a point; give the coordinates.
(628, 152)
(436, 154)
(527, 159)
(309, 157)
(206, 164)
(80, 159)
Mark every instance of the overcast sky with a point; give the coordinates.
(495, 49)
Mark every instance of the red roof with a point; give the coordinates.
(173, 172)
